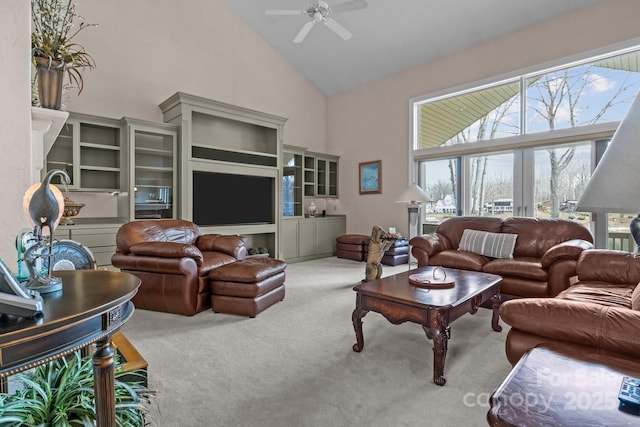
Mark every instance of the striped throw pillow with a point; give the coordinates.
(494, 245)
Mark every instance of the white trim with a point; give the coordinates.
(555, 137)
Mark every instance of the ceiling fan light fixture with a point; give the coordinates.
(320, 11)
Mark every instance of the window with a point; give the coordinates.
(439, 179)
(595, 91)
(522, 146)
(491, 185)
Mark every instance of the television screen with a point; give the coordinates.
(227, 199)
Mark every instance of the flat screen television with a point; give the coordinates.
(230, 199)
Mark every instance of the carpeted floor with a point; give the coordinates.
(293, 364)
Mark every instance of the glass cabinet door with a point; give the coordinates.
(292, 184)
(153, 170)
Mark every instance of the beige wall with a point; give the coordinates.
(147, 50)
(371, 122)
(15, 119)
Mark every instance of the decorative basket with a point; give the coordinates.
(71, 209)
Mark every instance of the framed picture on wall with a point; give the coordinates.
(371, 177)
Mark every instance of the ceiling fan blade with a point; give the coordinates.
(338, 29)
(303, 32)
(284, 12)
(349, 6)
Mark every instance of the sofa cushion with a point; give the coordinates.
(493, 245)
(605, 265)
(167, 250)
(536, 235)
(529, 268)
(459, 259)
(352, 239)
(635, 298)
(453, 228)
(596, 325)
(599, 293)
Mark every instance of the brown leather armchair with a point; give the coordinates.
(173, 260)
(542, 263)
(601, 310)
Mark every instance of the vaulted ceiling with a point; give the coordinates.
(389, 36)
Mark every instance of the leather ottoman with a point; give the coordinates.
(351, 246)
(247, 287)
(397, 254)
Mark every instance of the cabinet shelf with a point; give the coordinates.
(154, 151)
(99, 146)
(153, 168)
(99, 168)
(142, 185)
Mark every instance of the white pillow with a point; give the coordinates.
(494, 245)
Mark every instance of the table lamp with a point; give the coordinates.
(414, 196)
(612, 187)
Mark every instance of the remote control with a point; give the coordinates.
(629, 395)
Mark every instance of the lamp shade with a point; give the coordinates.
(614, 185)
(413, 194)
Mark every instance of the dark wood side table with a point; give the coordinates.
(92, 305)
(563, 385)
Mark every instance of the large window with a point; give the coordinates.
(522, 146)
(595, 91)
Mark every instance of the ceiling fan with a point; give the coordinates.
(320, 11)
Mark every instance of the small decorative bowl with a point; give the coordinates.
(71, 209)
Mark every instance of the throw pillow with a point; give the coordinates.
(635, 298)
(494, 245)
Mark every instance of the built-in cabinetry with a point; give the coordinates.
(304, 239)
(100, 238)
(230, 166)
(90, 149)
(320, 175)
(152, 168)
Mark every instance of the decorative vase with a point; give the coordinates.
(50, 77)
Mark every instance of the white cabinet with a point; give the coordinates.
(90, 149)
(320, 175)
(152, 168)
(327, 176)
(310, 238)
(99, 238)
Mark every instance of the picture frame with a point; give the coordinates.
(370, 177)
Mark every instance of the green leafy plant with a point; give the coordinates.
(52, 32)
(60, 394)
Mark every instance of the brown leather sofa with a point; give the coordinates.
(600, 311)
(543, 260)
(173, 260)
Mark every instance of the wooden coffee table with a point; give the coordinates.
(433, 308)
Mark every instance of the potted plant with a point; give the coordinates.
(53, 50)
(60, 393)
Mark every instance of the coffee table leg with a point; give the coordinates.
(356, 317)
(439, 333)
(496, 313)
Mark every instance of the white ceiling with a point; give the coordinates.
(390, 35)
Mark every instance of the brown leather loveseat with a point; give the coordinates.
(540, 263)
(600, 312)
(173, 260)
